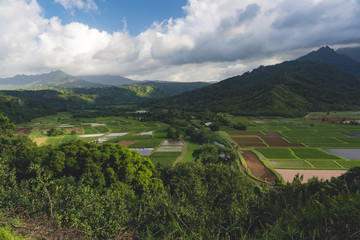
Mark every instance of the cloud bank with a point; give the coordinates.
(215, 39)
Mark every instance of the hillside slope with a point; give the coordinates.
(287, 89)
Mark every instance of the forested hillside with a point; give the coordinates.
(287, 89)
(23, 105)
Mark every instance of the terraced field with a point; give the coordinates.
(300, 144)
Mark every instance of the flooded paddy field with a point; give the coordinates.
(345, 153)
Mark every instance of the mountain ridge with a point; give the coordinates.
(291, 88)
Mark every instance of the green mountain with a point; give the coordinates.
(288, 89)
(58, 79)
(330, 57)
(24, 105)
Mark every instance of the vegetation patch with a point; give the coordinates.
(276, 152)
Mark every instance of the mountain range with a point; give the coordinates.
(322, 80)
(60, 79)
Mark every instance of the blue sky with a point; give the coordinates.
(172, 40)
(110, 15)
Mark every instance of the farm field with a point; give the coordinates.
(291, 145)
(147, 138)
(298, 144)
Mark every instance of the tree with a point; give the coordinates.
(209, 153)
(173, 133)
(6, 127)
(55, 132)
(215, 126)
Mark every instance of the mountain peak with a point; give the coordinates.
(328, 56)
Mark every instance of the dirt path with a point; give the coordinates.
(257, 167)
(183, 154)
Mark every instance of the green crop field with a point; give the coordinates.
(146, 143)
(164, 158)
(276, 152)
(312, 153)
(101, 129)
(291, 164)
(324, 164)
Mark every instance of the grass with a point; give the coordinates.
(191, 146)
(312, 153)
(276, 152)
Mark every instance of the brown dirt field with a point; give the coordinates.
(272, 134)
(256, 133)
(252, 144)
(247, 140)
(279, 142)
(289, 174)
(25, 131)
(40, 141)
(78, 130)
(126, 143)
(257, 168)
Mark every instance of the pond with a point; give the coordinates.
(345, 153)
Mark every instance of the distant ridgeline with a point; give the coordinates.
(24, 105)
(320, 81)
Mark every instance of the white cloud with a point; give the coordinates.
(216, 39)
(78, 4)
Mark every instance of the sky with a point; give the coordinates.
(172, 40)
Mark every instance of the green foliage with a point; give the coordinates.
(209, 153)
(173, 133)
(55, 132)
(6, 234)
(204, 201)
